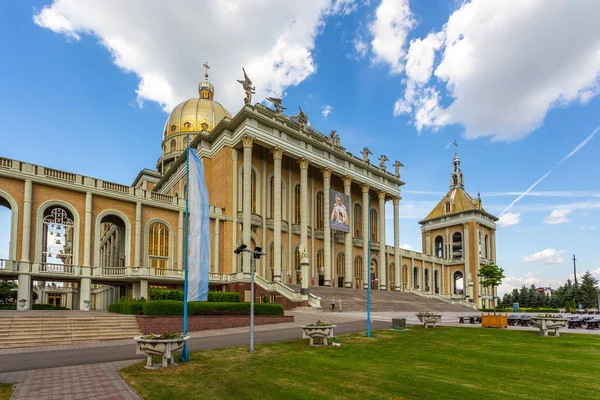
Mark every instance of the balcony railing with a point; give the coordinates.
(7, 265)
(65, 269)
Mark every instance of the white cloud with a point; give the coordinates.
(326, 110)
(393, 20)
(558, 216)
(406, 246)
(547, 256)
(343, 7)
(166, 45)
(504, 65)
(360, 47)
(509, 219)
(516, 282)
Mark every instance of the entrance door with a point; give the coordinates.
(340, 281)
(321, 280)
(54, 300)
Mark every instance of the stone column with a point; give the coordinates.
(24, 290)
(326, 229)
(85, 294)
(466, 259)
(217, 243)
(234, 231)
(247, 142)
(382, 268)
(138, 234)
(144, 288)
(304, 215)
(411, 273)
(180, 239)
(366, 237)
(493, 248)
(87, 236)
(348, 237)
(397, 266)
(443, 279)
(277, 157)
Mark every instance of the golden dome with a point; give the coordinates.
(190, 115)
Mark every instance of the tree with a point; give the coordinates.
(588, 291)
(491, 277)
(8, 292)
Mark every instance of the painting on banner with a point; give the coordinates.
(339, 206)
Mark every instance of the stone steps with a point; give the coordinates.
(29, 331)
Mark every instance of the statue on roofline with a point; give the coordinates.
(277, 104)
(382, 159)
(248, 88)
(397, 166)
(365, 153)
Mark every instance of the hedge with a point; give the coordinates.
(219, 297)
(175, 308)
(127, 307)
(522, 310)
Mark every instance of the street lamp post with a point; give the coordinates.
(255, 254)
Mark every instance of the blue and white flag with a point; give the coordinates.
(199, 231)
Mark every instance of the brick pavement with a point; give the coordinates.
(94, 381)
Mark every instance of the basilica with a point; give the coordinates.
(83, 243)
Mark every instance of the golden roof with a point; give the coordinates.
(459, 201)
(191, 114)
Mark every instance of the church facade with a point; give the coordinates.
(270, 178)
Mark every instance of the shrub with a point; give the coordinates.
(131, 307)
(522, 310)
(224, 297)
(114, 307)
(163, 294)
(175, 308)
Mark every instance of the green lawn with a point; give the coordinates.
(440, 363)
(5, 390)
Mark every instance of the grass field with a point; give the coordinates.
(440, 363)
(5, 390)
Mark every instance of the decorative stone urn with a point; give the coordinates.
(549, 322)
(429, 318)
(164, 348)
(318, 334)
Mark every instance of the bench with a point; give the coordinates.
(473, 319)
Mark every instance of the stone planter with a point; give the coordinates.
(320, 333)
(164, 348)
(429, 319)
(544, 324)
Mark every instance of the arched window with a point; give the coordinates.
(297, 266)
(374, 274)
(458, 282)
(339, 269)
(158, 245)
(404, 276)
(57, 239)
(439, 246)
(320, 210)
(436, 281)
(271, 276)
(112, 242)
(426, 276)
(415, 277)
(253, 190)
(391, 276)
(457, 247)
(374, 223)
(173, 145)
(358, 230)
(358, 271)
(297, 204)
(487, 247)
(320, 261)
(480, 245)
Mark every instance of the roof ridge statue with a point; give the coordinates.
(277, 103)
(248, 88)
(302, 118)
(382, 159)
(365, 153)
(397, 166)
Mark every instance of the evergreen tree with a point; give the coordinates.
(515, 296)
(588, 291)
(523, 297)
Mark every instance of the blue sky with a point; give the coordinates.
(85, 86)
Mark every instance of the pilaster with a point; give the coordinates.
(304, 213)
(277, 157)
(366, 237)
(326, 228)
(138, 235)
(397, 267)
(348, 237)
(87, 235)
(382, 268)
(247, 142)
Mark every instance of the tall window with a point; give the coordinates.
(457, 248)
(426, 276)
(57, 246)
(320, 261)
(272, 262)
(297, 204)
(319, 213)
(374, 223)
(392, 276)
(439, 246)
(339, 266)
(487, 247)
(272, 197)
(358, 230)
(358, 267)
(173, 145)
(297, 258)
(480, 244)
(158, 245)
(415, 278)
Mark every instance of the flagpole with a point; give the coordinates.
(369, 267)
(185, 357)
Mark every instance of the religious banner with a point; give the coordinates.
(339, 206)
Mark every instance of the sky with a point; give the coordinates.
(86, 86)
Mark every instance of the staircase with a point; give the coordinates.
(29, 329)
(356, 300)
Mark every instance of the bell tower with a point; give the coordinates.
(457, 179)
